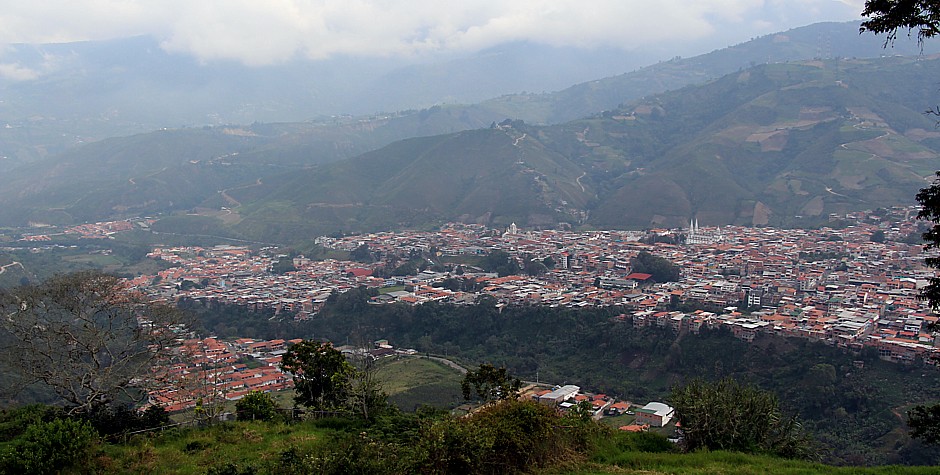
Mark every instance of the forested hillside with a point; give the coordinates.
(852, 403)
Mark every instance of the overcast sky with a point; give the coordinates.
(259, 32)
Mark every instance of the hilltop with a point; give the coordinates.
(779, 144)
(787, 143)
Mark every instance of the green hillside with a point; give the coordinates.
(779, 144)
(751, 143)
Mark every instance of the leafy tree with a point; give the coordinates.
(366, 397)
(361, 253)
(725, 415)
(889, 16)
(500, 262)
(534, 267)
(548, 262)
(257, 406)
(283, 266)
(660, 268)
(924, 422)
(929, 199)
(321, 375)
(877, 236)
(87, 337)
(490, 383)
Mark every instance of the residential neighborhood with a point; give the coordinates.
(853, 287)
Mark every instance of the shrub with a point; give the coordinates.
(507, 437)
(257, 406)
(14, 422)
(47, 447)
(725, 415)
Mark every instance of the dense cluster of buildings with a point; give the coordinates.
(855, 286)
(210, 371)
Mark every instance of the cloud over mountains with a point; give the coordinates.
(266, 32)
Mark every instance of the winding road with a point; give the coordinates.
(14, 263)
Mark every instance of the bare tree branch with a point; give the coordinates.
(86, 336)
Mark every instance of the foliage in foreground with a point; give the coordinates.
(725, 415)
(34, 445)
(505, 437)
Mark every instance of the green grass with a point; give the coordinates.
(618, 421)
(261, 446)
(724, 463)
(405, 373)
(413, 381)
(394, 288)
(193, 451)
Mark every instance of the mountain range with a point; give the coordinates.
(56, 96)
(782, 142)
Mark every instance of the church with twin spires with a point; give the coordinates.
(697, 235)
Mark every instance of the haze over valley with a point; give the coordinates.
(423, 237)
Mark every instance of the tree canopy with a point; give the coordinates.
(321, 375)
(889, 16)
(725, 415)
(660, 268)
(490, 383)
(929, 199)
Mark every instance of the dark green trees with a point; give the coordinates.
(925, 423)
(660, 268)
(489, 383)
(324, 380)
(725, 415)
(257, 406)
(500, 262)
(889, 16)
(321, 375)
(929, 199)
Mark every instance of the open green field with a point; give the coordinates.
(414, 381)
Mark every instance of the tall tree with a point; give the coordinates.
(929, 199)
(489, 383)
(87, 337)
(322, 376)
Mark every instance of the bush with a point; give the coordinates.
(14, 422)
(48, 447)
(257, 406)
(507, 437)
(121, 419)
(725, 415)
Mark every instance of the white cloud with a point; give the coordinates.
(267, 31)
(16, 72)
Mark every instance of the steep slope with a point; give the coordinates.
(780, 144)
(821, 40)
(172, 170)
(85, 92)
(495, 175)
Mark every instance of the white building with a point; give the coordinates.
(557, 396)
(656, 414)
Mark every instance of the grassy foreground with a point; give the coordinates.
(258, 447)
